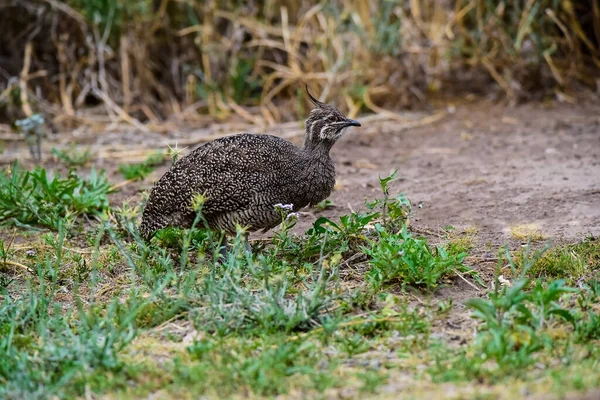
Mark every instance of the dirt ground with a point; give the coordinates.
(488, 166)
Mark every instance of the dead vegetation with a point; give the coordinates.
(143, 62)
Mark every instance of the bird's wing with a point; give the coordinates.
(230, 171)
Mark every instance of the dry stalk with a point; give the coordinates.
(23, 81)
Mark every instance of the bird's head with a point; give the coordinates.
(325, 124)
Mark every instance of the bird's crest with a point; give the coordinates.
(314, 101)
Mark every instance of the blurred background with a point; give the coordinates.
(147, 61)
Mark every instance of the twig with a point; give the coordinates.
(121, 184)
(23, 81)
(243, 113)
(67, 10)
(351, 258)
(466, 280)
(425, 232)
(125, 73)
(71, 249)
(119, 111)
(16, 264)
(417, 299)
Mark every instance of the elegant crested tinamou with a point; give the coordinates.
(242, 177)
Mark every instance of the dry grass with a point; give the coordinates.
(147, 61)
(527, 232)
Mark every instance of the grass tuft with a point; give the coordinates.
(34, 198)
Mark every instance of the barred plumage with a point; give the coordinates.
(243, 176)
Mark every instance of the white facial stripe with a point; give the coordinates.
(322, 134)
(312, 130)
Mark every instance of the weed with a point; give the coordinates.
(284, 320)
(394, 211)
(324, 205)
(572, 262)
(47, 350)
(462, 241)
(141, 170)
(33, 129)
(401, 257)
(515, 318)
(267, 366)
(32, 198)
(371, 380)
(73, 157)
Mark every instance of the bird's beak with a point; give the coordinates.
(351, 122)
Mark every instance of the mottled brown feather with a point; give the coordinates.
(243, 176)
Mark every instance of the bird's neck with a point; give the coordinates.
(317, 147)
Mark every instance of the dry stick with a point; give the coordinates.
(71, 249)
(465, 279)
(425, 232)
(243, 113)
(496, 75)
(555, 71)
(119, 111)
(160, 16)
(101, 46)
(23, 81)
(102, 94)
(459, 16)
(16, 264)
(121, 184)
(11, 84)
(67, 10)
(234, 17)
(11, 137)
(392, 115)
(65, 94)
(125, 73)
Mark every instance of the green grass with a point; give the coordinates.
(35, 198)
(401, 257)
(572, 262)
(73, 157)
(143, 169)
(307, 315)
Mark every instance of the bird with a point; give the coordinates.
(243, 177)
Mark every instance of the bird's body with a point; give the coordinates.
(242, 177)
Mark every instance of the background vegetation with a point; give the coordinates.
(147, 60)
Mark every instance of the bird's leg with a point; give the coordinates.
(223, 248)
(247, 246)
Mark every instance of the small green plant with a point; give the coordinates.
(393, 211)
(406, 259)
(33, 198)
(516, 316)
(324, 205)
(47, 350)
(73, 157)
(141, 170)
(353, 229)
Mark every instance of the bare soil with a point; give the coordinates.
(489, 166)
